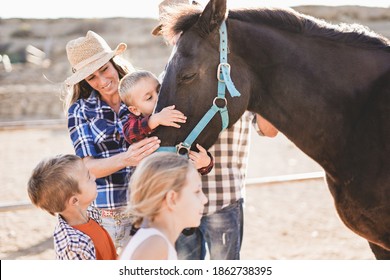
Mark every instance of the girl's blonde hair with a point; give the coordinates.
(128, 82)
(153, 178)
(82, 90)
(51, 183)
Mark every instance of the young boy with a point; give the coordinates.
(63, 185)
(139, 91)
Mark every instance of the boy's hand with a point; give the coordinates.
(167, 117)
(200, 159)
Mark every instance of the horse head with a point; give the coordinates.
(192, 71)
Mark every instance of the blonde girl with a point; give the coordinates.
(165, 197)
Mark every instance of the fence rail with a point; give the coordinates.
(14, 206)
(33, 124)
(285, 178)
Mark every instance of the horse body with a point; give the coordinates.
(336, 115)
(330, 95)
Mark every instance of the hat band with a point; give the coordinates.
(87, 61)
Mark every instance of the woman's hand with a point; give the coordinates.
(102, 167)
(138, 151)
(200, 159)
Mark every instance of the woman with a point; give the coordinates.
(95, 112)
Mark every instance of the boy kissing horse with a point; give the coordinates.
(326, 87)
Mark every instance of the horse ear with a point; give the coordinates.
(212, 16)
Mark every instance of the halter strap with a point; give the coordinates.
(224, 80)
(223, 73)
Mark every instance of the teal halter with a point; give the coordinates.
(224, 80)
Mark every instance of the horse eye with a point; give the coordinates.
(188, 77)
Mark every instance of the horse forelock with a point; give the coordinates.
(178, 19)
(293, 21)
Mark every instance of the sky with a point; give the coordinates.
(140, 9)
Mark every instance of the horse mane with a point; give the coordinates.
(183, 17)
(292, 21)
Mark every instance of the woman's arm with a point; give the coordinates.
(103, 167)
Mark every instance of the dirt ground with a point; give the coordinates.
(293, 220)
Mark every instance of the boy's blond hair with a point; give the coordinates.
(51, 183)
(153, 178)
(128, 82)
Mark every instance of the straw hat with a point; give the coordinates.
(161, 10)
(87, 54)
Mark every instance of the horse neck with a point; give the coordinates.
(309, 89)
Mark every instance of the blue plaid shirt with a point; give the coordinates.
(96, 131)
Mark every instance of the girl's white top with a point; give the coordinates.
(141, 235)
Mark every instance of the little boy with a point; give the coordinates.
(63, 185)
(139, 91)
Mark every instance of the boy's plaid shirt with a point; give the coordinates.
(135, 128)
(72, 244)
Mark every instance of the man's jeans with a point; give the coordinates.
(221, 231)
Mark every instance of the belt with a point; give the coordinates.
(118, 215)
(115, 214)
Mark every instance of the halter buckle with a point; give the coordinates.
(182, 149)
(219, 71)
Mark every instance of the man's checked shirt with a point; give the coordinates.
(225, 184)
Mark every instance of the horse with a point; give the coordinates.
(326, 87)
